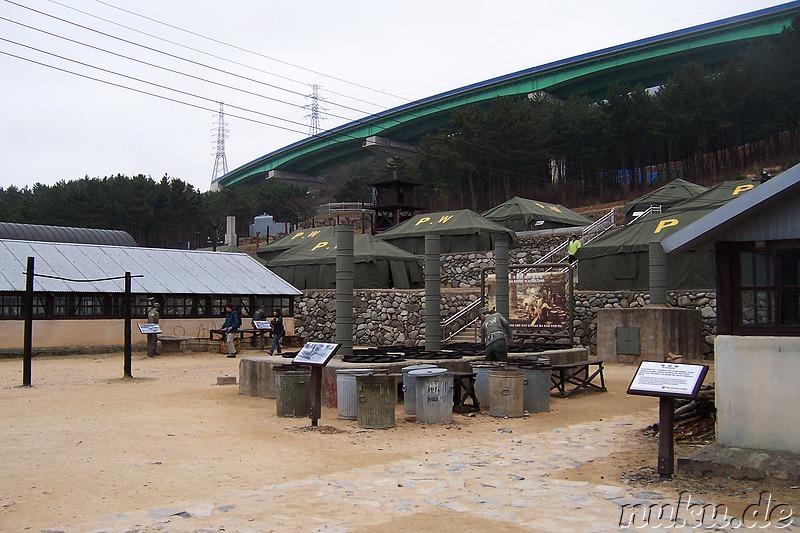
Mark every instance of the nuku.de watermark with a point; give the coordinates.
(766, 513)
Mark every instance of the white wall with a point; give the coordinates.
(757, 392)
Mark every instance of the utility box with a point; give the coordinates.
(629, 341)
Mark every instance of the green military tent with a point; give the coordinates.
(522, 214)
(299, 236)
(670, 194)
(716, 196)
(376, 265)
(460, 231)
(620, 260)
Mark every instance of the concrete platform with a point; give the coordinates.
(257, 377)
(717, 460)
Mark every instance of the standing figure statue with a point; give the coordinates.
(495, 332)
(152, 338)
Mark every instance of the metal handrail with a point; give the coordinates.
(653, 209)
(461, 313)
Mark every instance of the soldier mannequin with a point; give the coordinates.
(152, 338)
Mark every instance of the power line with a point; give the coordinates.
(251, 52)
(173, 56)
(196, 106)
(146, 82)
(160, 67)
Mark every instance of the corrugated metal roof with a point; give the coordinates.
(163, 271)
(36, 232)
(738, 211)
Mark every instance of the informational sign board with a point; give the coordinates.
(536, 300)
(262, 324)
(674, 380)
(316, 353)
(149, 328)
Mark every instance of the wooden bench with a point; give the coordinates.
(578, 374)
(256, 334)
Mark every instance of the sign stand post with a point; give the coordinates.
(667, 381)
(666, 441)
(316, 355)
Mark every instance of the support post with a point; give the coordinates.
(666, 441)
(126, 313)
(27, 353)
(316, 395)
(344, 288)
(433, 298)
(501, 275)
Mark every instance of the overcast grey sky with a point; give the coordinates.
(260, 58)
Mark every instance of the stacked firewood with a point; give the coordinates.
(695, 419)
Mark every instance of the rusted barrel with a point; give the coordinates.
(410, 389)
(505, 392)
(293, 390)
(346, 394)
(434, 395)
(376, 401)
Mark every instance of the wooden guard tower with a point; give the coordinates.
(392, 202)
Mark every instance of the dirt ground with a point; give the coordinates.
(84, 443)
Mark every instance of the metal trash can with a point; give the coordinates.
(377, 397)
(346, 394)
(434, 395)
(505, 392)
(410, 389)
(292, 390)
(536, 388)
(482, 382)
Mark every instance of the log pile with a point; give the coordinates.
(694, 420)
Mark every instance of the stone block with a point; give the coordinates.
(226, 380)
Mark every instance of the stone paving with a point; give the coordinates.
(513, 485)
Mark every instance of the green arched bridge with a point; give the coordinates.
(648, 61)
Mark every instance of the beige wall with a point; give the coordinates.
(103, 332)
(757, 392)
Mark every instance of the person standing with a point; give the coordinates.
(259, 315)
(152, 338)
(277, 330)
(573, 247)
(231, 328)
(495, 332)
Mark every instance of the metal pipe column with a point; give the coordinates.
(344, 288)
(433, 297)
(658, 274)
(501, 275)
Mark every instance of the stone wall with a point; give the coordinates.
(464, 270)
(395, 317)
(588, 303)
(385, 317)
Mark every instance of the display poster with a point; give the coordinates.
(316, 353)
(149, 328)
(679, 380)
(262, 324)
(536, 300)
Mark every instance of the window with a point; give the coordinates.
(768, 288)
(184, 306)
(76, 305)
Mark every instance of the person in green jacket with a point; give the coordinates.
(572, 249)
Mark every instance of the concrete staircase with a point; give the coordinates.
(470, 334)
